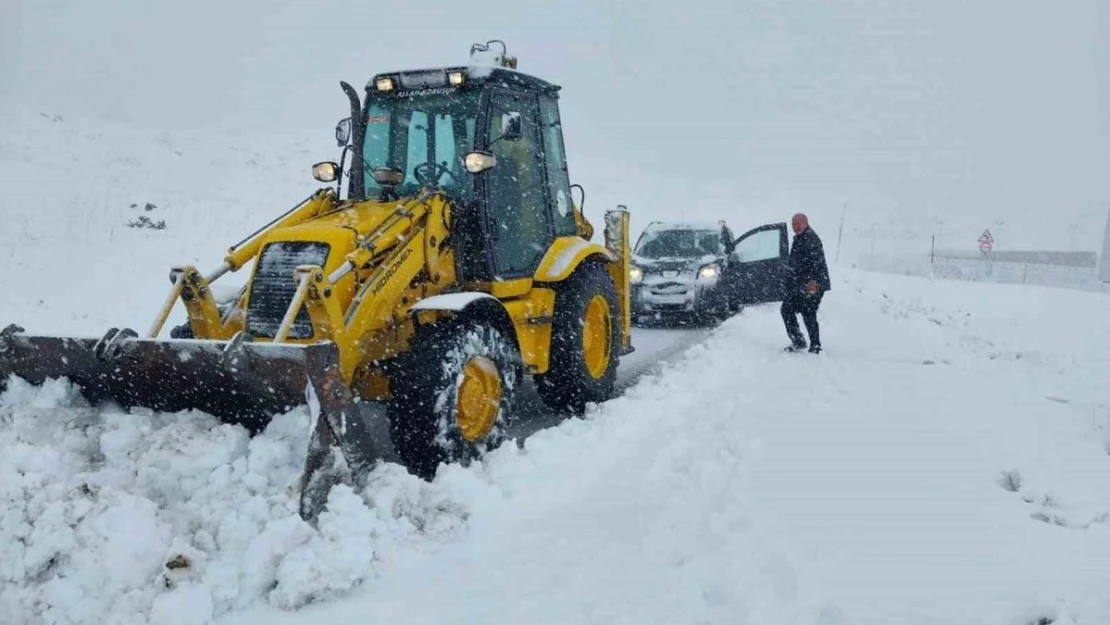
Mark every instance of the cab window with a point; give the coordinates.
(519, 221)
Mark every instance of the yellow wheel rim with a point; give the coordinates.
(597, 336)
(479, 398)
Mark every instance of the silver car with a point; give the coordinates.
(701, 271)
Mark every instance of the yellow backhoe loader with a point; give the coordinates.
(457, 264)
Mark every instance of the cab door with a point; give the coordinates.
(518, 216)
(758, 266)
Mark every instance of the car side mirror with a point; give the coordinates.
(343, 132)
(735, 257)
(512, 126)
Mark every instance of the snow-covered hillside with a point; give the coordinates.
(899, 110)
(75, 184)
(945, 461)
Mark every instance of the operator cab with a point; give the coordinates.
(486, 136)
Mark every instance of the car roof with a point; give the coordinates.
(686, 225)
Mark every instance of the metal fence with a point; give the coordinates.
(947, 268)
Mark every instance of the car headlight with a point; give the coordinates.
(635, 274)
(708, 272)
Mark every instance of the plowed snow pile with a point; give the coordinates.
(114, 518)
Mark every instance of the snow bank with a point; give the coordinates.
(137, 518)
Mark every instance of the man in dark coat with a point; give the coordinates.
(808, 282)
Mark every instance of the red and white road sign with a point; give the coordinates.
(986, 241)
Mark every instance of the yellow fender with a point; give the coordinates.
(564, 256)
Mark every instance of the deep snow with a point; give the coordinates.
(945, 461)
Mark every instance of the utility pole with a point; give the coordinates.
(1073, 227)
(932, 255)
(872, 242)
(840, 233)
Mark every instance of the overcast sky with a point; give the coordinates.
(914, 112)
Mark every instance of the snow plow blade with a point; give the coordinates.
(240, 383)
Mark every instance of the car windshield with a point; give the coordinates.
(678, 244)
(426, 135)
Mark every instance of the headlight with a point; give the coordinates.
(635, 274)
(325, 172)
(708, 272)
(477, 162)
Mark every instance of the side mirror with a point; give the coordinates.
(512, 126)
(343, 132)
(326, 171)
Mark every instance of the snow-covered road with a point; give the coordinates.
(655, 348)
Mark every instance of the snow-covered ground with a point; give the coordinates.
(945, 461)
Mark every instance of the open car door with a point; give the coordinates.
(758, 272)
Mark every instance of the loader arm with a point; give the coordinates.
(407, 259)
(194, 289)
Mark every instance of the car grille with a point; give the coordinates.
(669, 288)
(273, 287)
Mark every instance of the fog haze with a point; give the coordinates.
(916, 115)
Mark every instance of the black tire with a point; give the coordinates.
(425, 385)
(568, 385)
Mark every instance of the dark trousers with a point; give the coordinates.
(806, 305)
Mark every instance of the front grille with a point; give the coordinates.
(273, 287)
(669, 288)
